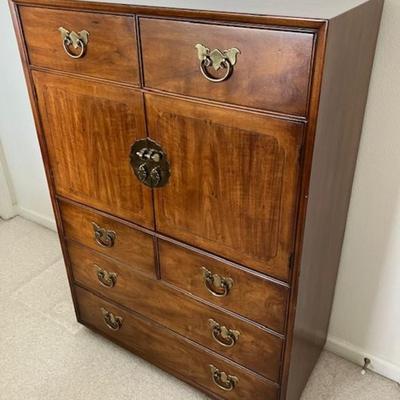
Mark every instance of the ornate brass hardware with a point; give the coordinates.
(106, 279)
(76, 40)
(222, 380)
(103, 237)
(149, 163)
(217, 285)
(112, 321)
(216, 59)
(222, 335)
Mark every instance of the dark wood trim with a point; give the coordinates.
(339, 97)
(303, 197)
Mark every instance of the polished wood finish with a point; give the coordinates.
(173, 352)
(272, 169)
(90, 129)
(256, 348)
(131, 246)
(183, 268)
(111, 50)
(272, 70)
(212, 198)
(344, 91)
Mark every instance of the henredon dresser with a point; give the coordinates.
(200, 158)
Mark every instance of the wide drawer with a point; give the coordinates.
(109, 237)
(110, 51)
(271, 68)
(232, 337)
(249, 294)
(172, 352)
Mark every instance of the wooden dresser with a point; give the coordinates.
(200, 159)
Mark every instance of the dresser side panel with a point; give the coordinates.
(349, 58)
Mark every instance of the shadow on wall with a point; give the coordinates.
(366, 313)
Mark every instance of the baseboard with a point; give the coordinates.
(357, 355)
(8, 211)
(38, 218)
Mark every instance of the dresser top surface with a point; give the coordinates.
(315, 9)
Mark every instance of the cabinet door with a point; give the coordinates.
(89, 129)
(233, 184)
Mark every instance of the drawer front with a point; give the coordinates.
(89, 130)
(172, 352)
(272, 69)
(109, 237)
(233, 184)
(110, 52)
(247, 344)
(242, 292)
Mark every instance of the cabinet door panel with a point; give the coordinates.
(233, 184)
(89, 129)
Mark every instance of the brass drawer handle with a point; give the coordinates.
(217, 285)
(106, 279)
(216, 59)
(76, 40)
(103, 237)
(112, 321)
(222, 380)
(222, 335)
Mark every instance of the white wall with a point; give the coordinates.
(17, 133)
(366, 314)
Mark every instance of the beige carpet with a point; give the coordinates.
(46, 355)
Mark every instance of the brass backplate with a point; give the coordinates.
(149, 163)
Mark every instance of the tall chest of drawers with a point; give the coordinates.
(200, 160)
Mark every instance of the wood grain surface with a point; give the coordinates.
(234, 180)
(111, 49)
(252, 295)
(89, 129)
(256, 348)
(131, 246)
(173, 352)
(272, 70)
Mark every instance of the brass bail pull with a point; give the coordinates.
(217, 285)
(217, 60)
(72, 40)
(223, 380)
(105, 278)
(103, 237)
(113, 322)
(222, 335)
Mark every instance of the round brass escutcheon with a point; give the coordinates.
(149, 163)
